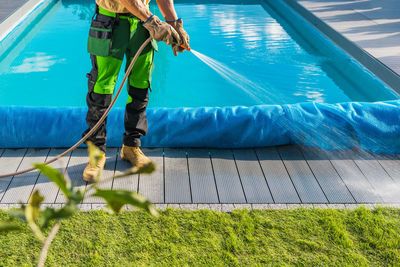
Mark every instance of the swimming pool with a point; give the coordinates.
(44, 62)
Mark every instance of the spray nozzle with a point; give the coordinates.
(184, 47)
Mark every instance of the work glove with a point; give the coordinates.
(178, 26)
(162, 31)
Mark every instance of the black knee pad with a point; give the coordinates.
(139, 104)
(140, 98)
(98, 100)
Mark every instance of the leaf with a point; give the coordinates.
(34, 204)
(76, 196)
(18, 213)
(54, 176)
(55, 214)
(94, 153)
(8, 226)
(145, 169)
(116, 199)
(32, 212)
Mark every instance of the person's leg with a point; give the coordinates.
(101, 84)
(138, 96)
(107, 43)
(138, 88)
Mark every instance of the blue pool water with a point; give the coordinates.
(47, 66)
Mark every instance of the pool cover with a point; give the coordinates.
(371, 126)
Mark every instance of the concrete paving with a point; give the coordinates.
(8, 7)
(374, 25)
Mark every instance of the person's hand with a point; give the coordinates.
(162, 31)
(178, 26)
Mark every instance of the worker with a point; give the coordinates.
(118, 29)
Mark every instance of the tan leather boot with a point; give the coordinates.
(91, 172)
(134, 155)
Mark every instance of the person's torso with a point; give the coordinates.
(115, 5)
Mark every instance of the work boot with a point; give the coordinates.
(134, 155)
(91, 172)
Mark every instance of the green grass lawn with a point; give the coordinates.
(275, 237)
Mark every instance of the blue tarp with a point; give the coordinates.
(371, 126)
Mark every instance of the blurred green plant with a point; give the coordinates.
(39, 219)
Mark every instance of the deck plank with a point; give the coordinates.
(151, 186)
(280, 184)
(303, 179)
(107, 177)
(221, 176)
(354, 179)
(254, 184)
(47, 188)
(130, 182)
(391, 164)
(9, 162)
(77, 163)
(21, 186)
(380, 180)
(334, 187)
(177, 181)
(202, 177)
(227, 178)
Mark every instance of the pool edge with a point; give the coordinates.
(374, 65)
(9, 24)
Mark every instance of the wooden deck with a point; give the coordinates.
(274, 175)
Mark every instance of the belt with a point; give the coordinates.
(105, 12)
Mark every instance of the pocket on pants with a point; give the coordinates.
(100, 35)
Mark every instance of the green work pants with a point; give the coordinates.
(112, 37)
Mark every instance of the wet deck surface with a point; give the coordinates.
(274, 175)
(374, 25)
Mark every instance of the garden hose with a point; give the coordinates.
(97, 125)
